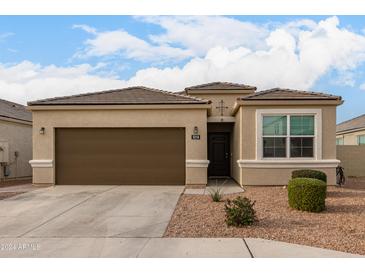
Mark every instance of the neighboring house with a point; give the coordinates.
(140, 135)
(350, 140)
(15, 141)
(351, 132)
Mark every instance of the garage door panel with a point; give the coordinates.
(142, 156)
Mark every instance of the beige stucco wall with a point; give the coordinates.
(351, 137)
(228, 99)
(19, 137)
(43, 145)
(352, 159)
(280, 176)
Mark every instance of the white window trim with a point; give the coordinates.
(328, 163)
(317, 132)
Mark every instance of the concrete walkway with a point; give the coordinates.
(160, 248)
(261, 248)
(225, 186)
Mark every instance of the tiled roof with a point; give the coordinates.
(14, 111)
(126, 96)
(220, 85)
(352, 124)
(289, 94)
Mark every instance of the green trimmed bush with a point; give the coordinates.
(307, 194)
(240, 212)
(309, 173)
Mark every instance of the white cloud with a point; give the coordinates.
(294, 27)
(120, 42)
(201, 33)
(5, 35)
(362, 86)
(288, 57)
(85, 28)
(328, 45)
(27, 81)
(183, 37)
(291, 60)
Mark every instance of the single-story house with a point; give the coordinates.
(140, 135)
(351, 132)
(15, 141)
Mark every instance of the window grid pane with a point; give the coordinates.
(301, 147)
(274, 125)
(301, 125)
(274, 147)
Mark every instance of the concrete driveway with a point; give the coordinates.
(89, 211)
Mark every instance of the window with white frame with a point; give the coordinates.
(361, 140)
(339, 141)
(288, 136)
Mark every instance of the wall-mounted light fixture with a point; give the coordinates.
(196, 130)
(42, 130)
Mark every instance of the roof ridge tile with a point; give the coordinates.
(236, 85)
(320, 95)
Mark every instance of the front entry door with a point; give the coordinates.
(218, 154)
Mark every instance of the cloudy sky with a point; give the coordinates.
(52, 56)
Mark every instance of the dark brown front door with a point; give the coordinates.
(118, 156)
(218, 154)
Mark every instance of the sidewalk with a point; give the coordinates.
(160, 248)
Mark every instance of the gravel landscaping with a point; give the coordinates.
(340, 227)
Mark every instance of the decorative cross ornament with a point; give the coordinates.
(221, 107)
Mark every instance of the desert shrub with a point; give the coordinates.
(240, 212)
(216, 194)
(309, 173)
(307, 194)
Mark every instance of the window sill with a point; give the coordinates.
(288, 163)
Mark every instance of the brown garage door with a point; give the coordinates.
(115, 156)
